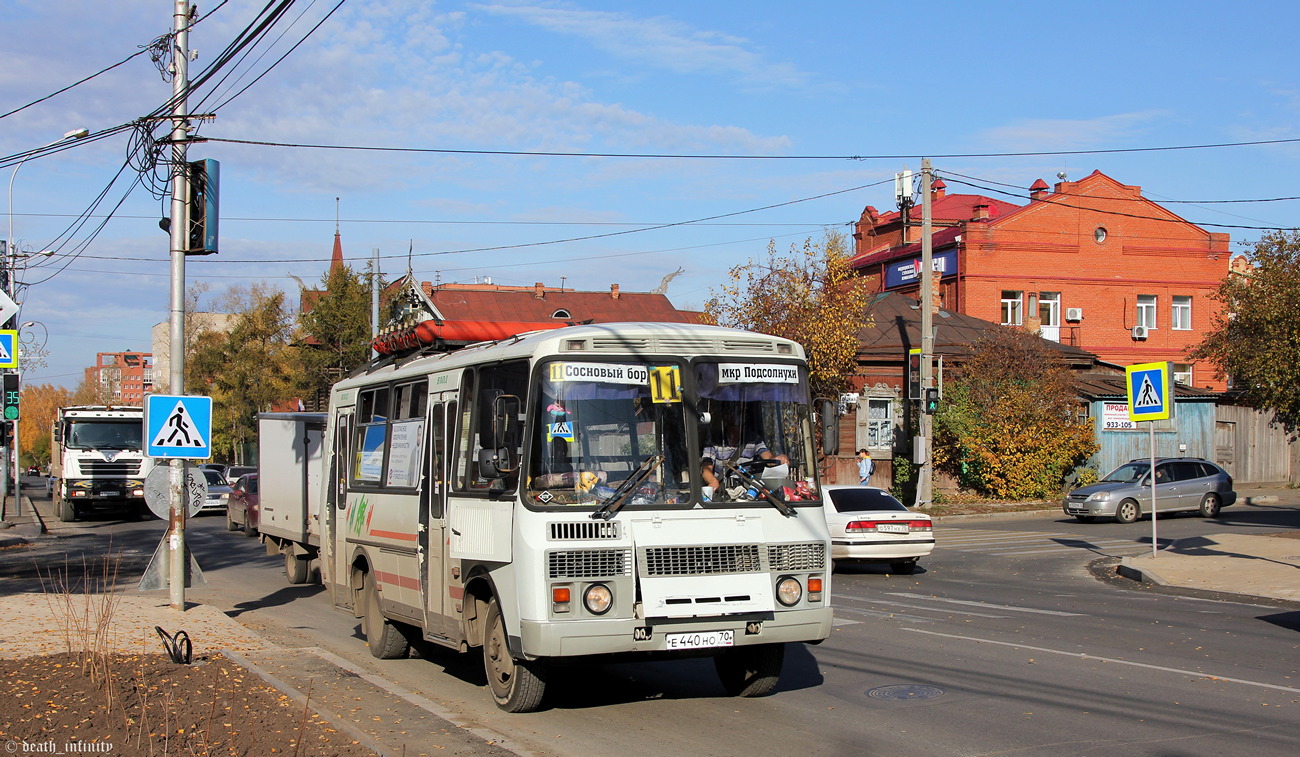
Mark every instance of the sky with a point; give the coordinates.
(517, 136)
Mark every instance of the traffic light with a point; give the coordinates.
(931, 400)
(10, 397)
(205, 180)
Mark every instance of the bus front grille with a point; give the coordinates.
(702, 561)
(590, 563)
(797, 557)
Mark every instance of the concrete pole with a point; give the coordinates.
(374, 301)
(180, 227)
(925, 473)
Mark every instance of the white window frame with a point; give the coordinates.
(1013, 313)
(1146, 310)
(880, 422)
(1183, 374)
(1180, 313)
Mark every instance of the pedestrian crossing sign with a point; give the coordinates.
(178, 426)
(1150, 391)
(8, 348)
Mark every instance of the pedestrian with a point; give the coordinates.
(866, 466)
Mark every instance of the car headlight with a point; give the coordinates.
(1099, 497)
(789, 591)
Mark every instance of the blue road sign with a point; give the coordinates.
(1150, 391)
(178, 426)
(8, 348)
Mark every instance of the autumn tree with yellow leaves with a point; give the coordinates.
(809, 295)
(40, 404)
(1008, 426)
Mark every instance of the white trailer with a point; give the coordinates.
(97, 460)
(289, 488)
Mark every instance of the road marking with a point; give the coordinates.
(1012, 543)
(918, 607)
(1008, 608)
(882, 614)
(1085, 656)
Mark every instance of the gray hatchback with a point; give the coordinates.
(1183, 484)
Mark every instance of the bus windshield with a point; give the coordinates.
(597, 424)
(123, 434)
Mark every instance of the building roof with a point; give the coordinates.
(894, 327)
(538, 303)
(1098, 387)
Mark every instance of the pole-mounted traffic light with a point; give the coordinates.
(931, 400)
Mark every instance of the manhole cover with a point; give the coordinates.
(905, 691)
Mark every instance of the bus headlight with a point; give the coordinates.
(788, 591)
(598, 599)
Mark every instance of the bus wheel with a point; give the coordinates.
(385, 640)
(750, 671)
(517, 685)
(295, 567)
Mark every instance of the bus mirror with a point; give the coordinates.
(496, 463)
(830, 423)
(505, 420)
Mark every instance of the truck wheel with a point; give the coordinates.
(385, 639)
(750, 671)
(66, 511)
(516, 685)
(296, 568)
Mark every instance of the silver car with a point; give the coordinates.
(218, 493)
(1183, 484)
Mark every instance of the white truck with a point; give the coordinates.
(289, 454)
(97, 461)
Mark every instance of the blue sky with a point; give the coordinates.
(791, 81)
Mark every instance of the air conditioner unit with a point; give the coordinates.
(1139, 332)
(1074, 314)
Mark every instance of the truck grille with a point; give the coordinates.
(700, 561)
(583, 530)
(115, 469)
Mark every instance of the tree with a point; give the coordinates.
(1255, 336)
(810, 296)
(334, 330)
(40, 406)
(246, 369)
(1007, 426)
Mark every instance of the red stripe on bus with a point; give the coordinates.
(393, 535)
(393, 578)
(456, 592)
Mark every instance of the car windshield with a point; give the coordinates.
(864, 500)
(1128, 473)
(214, 478)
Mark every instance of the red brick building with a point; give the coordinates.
(1090, 263)
(123, 378)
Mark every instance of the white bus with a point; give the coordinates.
(544, 498)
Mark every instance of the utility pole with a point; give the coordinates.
(180, 234)
(925, 469)
(374, 301)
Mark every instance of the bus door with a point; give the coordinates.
(335, 568)
(440, 590)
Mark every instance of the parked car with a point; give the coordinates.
(1183, 484)
(235, 471)
(243, 509)
(218, 467)
(868, 525)
(218, 493)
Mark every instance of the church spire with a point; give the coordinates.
(336, 261)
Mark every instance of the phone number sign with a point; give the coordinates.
(1114, 417)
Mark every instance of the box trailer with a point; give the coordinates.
(289, 488)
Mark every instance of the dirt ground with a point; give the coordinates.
(148, 705)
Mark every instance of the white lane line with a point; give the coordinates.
(943, 610)
(882, 614)
(971, 603)
(1085, 656)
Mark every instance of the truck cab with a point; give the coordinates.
(98, 461)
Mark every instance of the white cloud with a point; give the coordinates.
(1065, 134)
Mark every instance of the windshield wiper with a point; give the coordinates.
(624, 491)
(761, 488)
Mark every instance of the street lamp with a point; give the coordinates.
(13, 290)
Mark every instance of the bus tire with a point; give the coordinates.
(516, 685)
(296, 568)
(750, 671)
(382, 635)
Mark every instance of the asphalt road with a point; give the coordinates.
(1005, 643)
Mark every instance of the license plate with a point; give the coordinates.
(110, 494)
(701, 640)
(892, 528)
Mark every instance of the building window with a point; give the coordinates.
(1183, 373)
(880, 423)
(1011, 313)
(1049, 308)
(1146, 310)
(1180, 317)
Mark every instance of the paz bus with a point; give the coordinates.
(542, 498)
